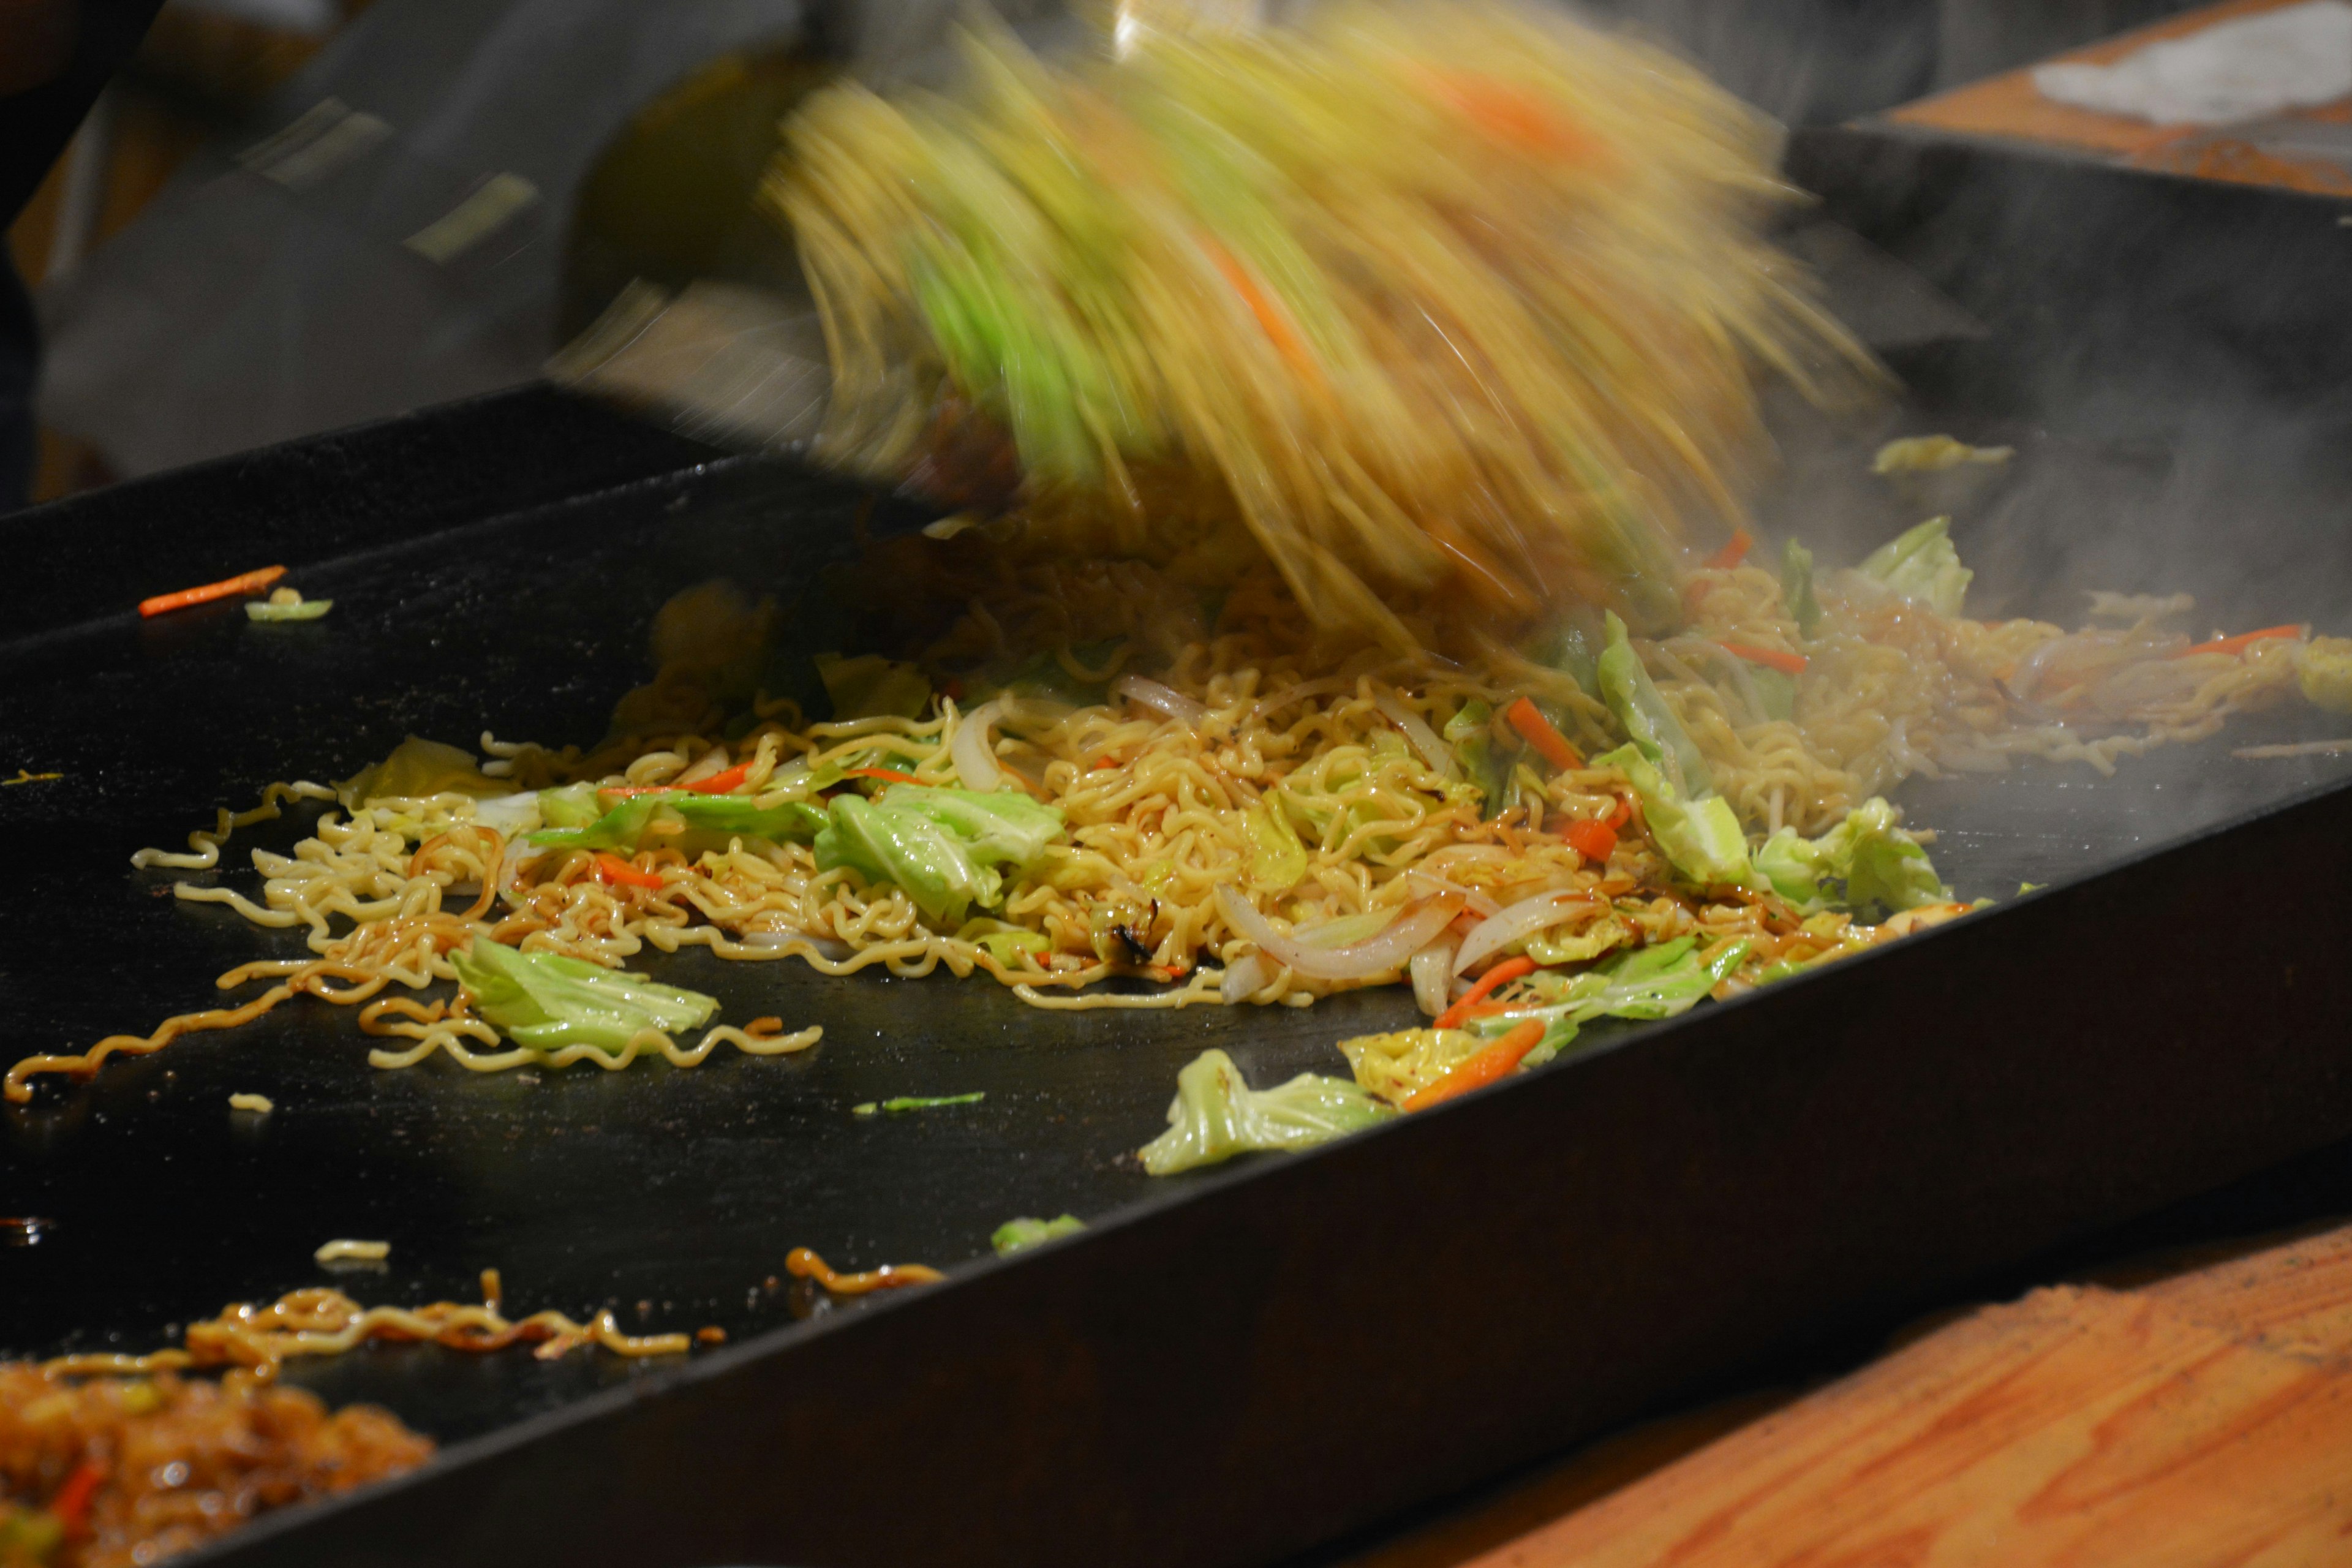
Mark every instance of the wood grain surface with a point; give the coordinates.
(2204, 1419)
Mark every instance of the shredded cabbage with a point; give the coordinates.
(1215, 1115)
(1017, 1235)
(1634, 697)
(1700, 839)
(1920, 563)
(1865, 863)
(940, 846)
(544, 1000)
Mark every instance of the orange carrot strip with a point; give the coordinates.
(1270, 317)
(1593, 838)
(1502, 975)
(1772, 658)
(71, 1505)
(612, 869)
(1509, 115)
(727, 781)
(226, 588)
(1734, 553)
(892, 774)
(2242, 641)
(1492, 1063)
(1528, 721)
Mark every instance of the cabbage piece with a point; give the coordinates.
(1399, 1065)
(1797, 587)
(1866, 862)
(1277, 859)
(1921, 564)
(872, 687)
(544, 1000)
(718, 816)
(1491, 767)
(416, 769)
(942, 846)
(1002, 825)
(1634, 697)
(1648, 982)
(1009, 945)
(1216, 1116)
(1700, 839)
(1776, 691)
(1933, 454)
(1572, 647)
(2324, 670)
(1017, 1235)
(291, 610)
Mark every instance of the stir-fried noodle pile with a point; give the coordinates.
(1222, 805)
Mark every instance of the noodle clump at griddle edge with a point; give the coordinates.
(1442, 300)
(1273, 723)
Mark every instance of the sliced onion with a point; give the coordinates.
(1243, 980)
(1523, 919)
(1413, 929)
(1159, 698)
(1433, 976)
(974, 750)
(1474, 901)
(1434, 752)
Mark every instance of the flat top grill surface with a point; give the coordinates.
(672, 1196)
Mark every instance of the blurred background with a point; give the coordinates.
(292, 216)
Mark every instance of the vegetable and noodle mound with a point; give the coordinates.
(1454, 300)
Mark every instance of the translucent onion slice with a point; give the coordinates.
(1416, 729)
(1433, 976)
(1476, 903)
(1165, 700)
(974, 750)
(1523, 919)
(1244, 979)
(1415, 927)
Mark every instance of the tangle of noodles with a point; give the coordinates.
(1457, 299)
(1283, 775)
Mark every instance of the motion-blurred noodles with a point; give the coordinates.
(1451, 300)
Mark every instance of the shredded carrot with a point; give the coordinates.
(71, 1505)
(2242, 641)
(892, 774)
(1770, 657)
(1510, 116)
(1270, 317)
(1487, 985)
(226, 588)
(1593, 838)
(1624, 812)
(727, 781)
(1734, 551)
(612, 869)
(1528, 721)
(1492, 1063)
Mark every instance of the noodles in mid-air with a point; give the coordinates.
(1441, 300)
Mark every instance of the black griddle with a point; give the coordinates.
(1226, 1368)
